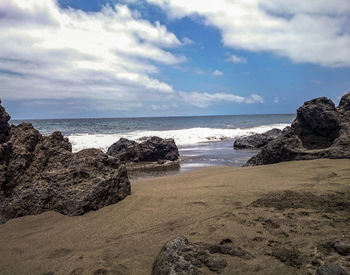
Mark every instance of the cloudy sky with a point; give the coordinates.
(109, 58)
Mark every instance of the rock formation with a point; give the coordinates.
(151, 149)
(40, 173)
(320, 130)
(256, 141)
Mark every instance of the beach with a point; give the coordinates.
(247, 205)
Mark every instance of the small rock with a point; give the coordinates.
(179, 256)
(330, 269)
(341, 247)
(256, 141)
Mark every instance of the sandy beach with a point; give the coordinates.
(205, 205)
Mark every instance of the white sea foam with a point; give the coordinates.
(182, 137)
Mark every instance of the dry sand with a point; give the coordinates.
(205, 205)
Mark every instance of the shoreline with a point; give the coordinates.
(204, 205)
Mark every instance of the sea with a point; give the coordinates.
(202, 140)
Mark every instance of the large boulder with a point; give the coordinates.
(4, 125)
(256, 141)
(151, 149)
(319, 131)
(40, 173)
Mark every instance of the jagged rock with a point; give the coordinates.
(341, 247)
(256, 141)
(4, 125)
(319, 131)
(40, 173)
(330, 269)
(179, 256)
(151, 149)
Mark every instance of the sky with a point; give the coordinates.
(132, 58)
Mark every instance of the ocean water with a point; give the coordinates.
(202, 140)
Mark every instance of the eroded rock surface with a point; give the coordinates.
(179, 256)
(256, 141)
(320, 130)
(151, 149)
(40, 173)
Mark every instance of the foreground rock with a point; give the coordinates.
(151, 149)
(179, 256)
(342, 247)
(330, 269)
(256, 141)
(39, 174)
(319, 131)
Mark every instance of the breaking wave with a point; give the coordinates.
(182, 137)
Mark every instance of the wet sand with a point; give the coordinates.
(285, 232)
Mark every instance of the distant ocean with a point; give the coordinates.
(202, 140)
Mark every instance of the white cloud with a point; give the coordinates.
(313, 31)
(218, 73)
(187, 41)
(203, 100)
(236, 59)
(112, 55)
(199, 71)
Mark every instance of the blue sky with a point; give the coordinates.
(98, 58)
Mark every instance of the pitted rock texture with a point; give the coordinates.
(40, 173)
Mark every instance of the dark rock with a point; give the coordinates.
(330, 269)
(341, 247)
(256, 141)
(179, 256)
(151, 149)
(288, 255)
(40, 173)
(319, 131)
(227, 247)
(125, 150)
(317, 123)
(4, 125)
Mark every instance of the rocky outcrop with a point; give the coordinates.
(320, 130)
(4, 125)
(40, 173)
(256, 141)
(151, 149)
